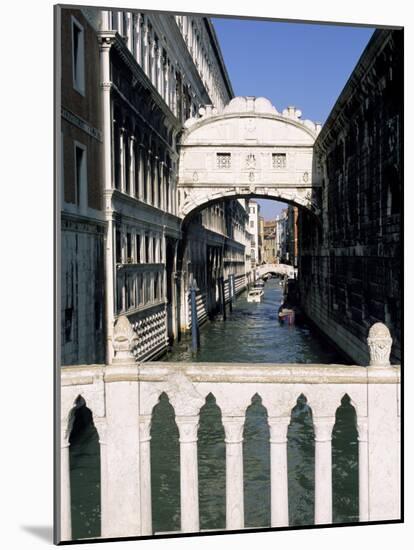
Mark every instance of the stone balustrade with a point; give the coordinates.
(122, 397)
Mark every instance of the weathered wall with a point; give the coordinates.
(82, 226)
(350, 260)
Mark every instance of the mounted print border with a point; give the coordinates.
(189, 399)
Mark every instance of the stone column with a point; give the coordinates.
(65, 498)
(122, 157)
(323, 468)
(166, 83)
(278, 471)
(148, 182)
(233, 427)
(153, 75)
(156, 198)
(131, 167)
(145, 450)
(188, 426)
(159, 69)
(101, 427)
(122, 492)
(145, 48)
(363, 472)
(383, 428)
(104, 48)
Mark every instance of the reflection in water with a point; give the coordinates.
(85, 472)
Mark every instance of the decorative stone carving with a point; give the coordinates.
(233, 428)
(250, 161)
(124, 338)
(183, 396)
(379, 343)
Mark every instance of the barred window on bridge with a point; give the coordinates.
(224, 161)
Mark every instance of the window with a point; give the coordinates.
(223, 161)
(130, 259)
(78, 56)
(251, 223)
(138, 249)
(118, 246)
(154, 250)
(278, 161)
(80, 176)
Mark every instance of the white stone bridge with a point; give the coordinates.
(247, 150)
(276, 269)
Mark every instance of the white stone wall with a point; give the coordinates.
(115, 392)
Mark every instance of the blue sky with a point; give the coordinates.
(305, 65)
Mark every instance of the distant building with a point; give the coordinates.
(254, 230)
(269, 242)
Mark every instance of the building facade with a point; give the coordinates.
(254, 230)
(129, 81)
(350, 261)
(269, 242)
(83, 225)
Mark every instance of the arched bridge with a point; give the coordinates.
(248, 149)
(277, 269)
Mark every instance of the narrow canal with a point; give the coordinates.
(252, 333)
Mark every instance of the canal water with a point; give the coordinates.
(251, 333)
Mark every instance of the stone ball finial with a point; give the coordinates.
(124, 339)
(379, 343)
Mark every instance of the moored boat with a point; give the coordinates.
(255, 295)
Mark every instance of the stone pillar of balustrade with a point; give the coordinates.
(233, 427)
(383, 428)
(145, 478)
(363, 472)
(65, 496)
(323, 426)
(188, 427)
(279, 471)
(122, 495)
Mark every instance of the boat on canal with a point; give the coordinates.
(255, 295)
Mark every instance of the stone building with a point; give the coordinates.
(83, 225)
(129, 81)
(350, 263)
(269, 242)
(292, 235)
(254, 230)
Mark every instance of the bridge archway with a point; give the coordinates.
(248, 149)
